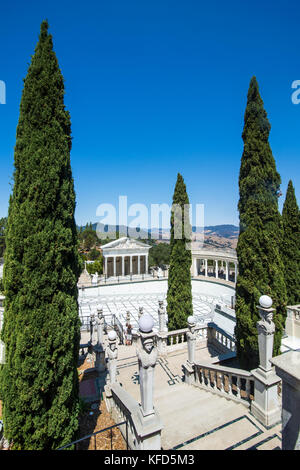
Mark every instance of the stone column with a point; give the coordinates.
(235, 272)
(195, 267)
(287, 367)
(226, 270)
(130, 264)
(206, 267)
(217, 269)
(105, 262)
(146, 264)
(191, 343)
(265, 406)
(147, 357)
(123, 265)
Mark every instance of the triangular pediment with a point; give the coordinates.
(125, 243)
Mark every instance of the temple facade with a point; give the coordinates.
(125, 256)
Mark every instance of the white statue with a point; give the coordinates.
(112, 355)
(191, 339)
(95, 278)
(92, 325)
(147, 357)
(159, 273)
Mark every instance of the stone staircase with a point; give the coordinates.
(193, 418)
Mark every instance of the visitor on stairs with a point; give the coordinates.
(128, 335)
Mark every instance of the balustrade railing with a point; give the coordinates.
(235, 383)
(220, 337)
(179, 336)
(126, 408)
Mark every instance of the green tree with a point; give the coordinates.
(290, 247)
(258, 252)
(3, 222)
(87, 237)
(159, 254)
(179, 296)
(93, 255)
(96, 267)
(41, 331)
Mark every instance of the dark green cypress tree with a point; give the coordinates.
(290, 247)
(179, 296)
(41, 331)
(258, 250)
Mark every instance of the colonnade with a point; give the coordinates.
(220, 268)
(124, 265)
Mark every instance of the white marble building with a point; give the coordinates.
(223, 264)
(125, 256)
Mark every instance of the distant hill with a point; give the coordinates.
(122, 229)
(226, 231)
(223, 231)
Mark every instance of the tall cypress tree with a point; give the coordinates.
(258, 250)
(290, 247)
(179, 296)
(41, 331)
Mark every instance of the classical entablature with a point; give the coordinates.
(125, 256)
(216, 263)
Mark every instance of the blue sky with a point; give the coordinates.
(159, 87)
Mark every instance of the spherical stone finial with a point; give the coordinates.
(265, 301)
(191, 320)
(112, 335)
(146, 323)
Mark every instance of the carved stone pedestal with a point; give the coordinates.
(265, 406)
(189, 373)
(162, 339)
(100, 363)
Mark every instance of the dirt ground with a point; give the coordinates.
(100, 419)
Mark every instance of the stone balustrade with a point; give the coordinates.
(236, 384)
(210, 334)
(140, 435)
(179, 336)
(174, 340)
(221, 339)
